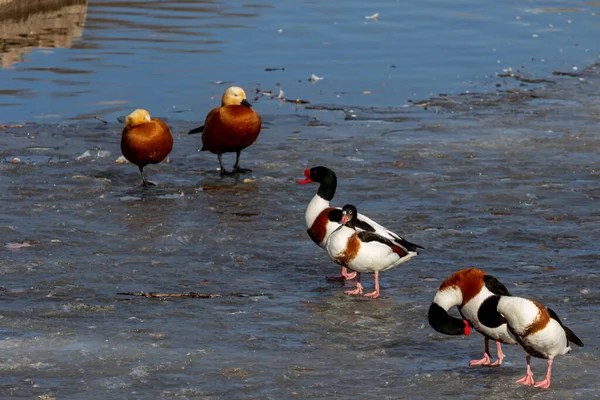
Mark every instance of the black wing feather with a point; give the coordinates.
(554, 315)
(572, 337)
(408, 245)
(488, 313)
(495, 286)
(196, 130)
(365, 226)
(335, 215)
(374, 237)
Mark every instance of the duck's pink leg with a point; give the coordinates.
(501, 355)
(359, 287)
(486, 355)
(347, 274)
(375, 294)
(344, 276)
(528, 378)
(545, 384)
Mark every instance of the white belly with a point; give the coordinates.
(383, 260)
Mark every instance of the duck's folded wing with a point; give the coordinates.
(368, 225)
(374, 237)
(495, 286)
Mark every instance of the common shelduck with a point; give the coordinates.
(364, 251)
(145, 141)
(467, 289)
(322, 219)
(537, 329)
(230, 128)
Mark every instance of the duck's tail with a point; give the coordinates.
(196, 130)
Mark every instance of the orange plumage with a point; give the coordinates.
(469, 281)
(145, 141)
(230, 128)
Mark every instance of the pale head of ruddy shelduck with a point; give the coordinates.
(138, 117)
(233, 96)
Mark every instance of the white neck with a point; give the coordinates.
(316, 205)
(448, 298)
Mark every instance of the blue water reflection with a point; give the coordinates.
(166, 56)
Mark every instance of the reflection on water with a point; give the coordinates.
(167, 56)
(25, 25)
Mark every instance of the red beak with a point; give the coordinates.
(467, 329)
(345, 220)
(307, 175)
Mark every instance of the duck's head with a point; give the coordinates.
(319, 175)
(234, 96)
(138, 117)
(349, 215)
(324, 176)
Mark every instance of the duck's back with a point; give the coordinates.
(521, 314)
(230, 129)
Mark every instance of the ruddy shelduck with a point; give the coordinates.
(230, 128)
(145, 140)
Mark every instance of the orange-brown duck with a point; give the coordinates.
(145, 141)
(230, 128)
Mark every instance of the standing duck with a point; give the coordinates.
(537, 329)
(322, 219)
(467, 289)
(230, 128)
(145, 141)
(364, 251)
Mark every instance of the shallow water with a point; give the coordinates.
(504, 181)
(106, 58)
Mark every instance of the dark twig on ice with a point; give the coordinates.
(567, 73)
(100, 119)
(194, 295)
